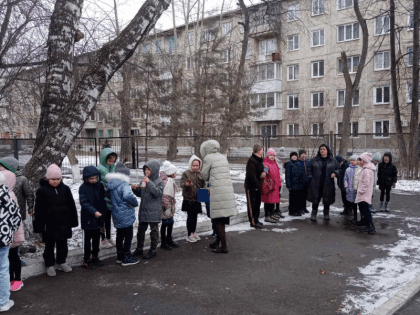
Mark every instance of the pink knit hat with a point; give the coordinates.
(53, 171)
(366, 156)
(271, 151)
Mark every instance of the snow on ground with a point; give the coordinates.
(408, 185)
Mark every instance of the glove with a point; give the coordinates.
(167, 212)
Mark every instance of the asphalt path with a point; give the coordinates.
(295, 267)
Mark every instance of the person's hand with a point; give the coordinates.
(98, 214)
(188, 183)
(31, 214)
(263, 174)
(393, 186)
(167, 212)
(333, 175)
(145, 179)
(134, 186)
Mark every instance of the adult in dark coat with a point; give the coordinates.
(387, 178)
(295, 182)
(344, 164)
(304, 163)
(322, 170)
(253, 184)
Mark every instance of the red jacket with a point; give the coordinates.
(273, 173)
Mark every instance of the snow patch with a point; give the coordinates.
(288, 230)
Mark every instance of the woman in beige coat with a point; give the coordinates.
(222, 198)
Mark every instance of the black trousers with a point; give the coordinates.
(364, 208)
(387, 190)
(295, 202)
(15, 267)
(62, 251)
(91, 239)
(253, 198)
(107, 215)
(154, 235)
(302, 197)
(193, 208)
(269, 209)
(124, 239)
(346, 203)
(353, 209)
(166, 231)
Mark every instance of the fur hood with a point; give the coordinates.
(119, 176)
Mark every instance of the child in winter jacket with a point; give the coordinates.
(365, 188)
(92, 200)
(18, 238)
(108, 159)
(295, 182)
(387, 178)
(340, 183)
(123, 214)
(191, 181)
(349, 187)
(168, 175)
(9, 224)
(150, 212)
(55, 216)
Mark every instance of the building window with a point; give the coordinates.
(248, 51)
(266, 100)
(225, 55)
(317, 7)
(191, 38)
(109, 115)
(382, 25)
(134, 93)
(135, 132)
(352, 64)
(208, 35)
(110, 133)
(381, 95)
(189, 63)
(381, 128)
(267, 47)
(317, 130)
(266, 72)
(146, 48)
(269, 131)
(354, 129)
(317, 99)
(410, 92)
(348, 32)
(382, 60)
(100, 133)
(343, 4)
(409, 57)
(293, 101)
(293, 130)
(317, 69)
(292, 72)
(226, 29)
(341, 98)
(171, 44)
(293, 42)
(247, 132)
(92, 116)
(158, 46)
(317, 38)
(292, 12)
(410, 20)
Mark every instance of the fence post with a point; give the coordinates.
(16, 148)
(96, 152)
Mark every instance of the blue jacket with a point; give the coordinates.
(343, 168)
(122, 198)
(295, 175)
(92, 199)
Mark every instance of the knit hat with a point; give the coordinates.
(366, 156)
(339, 159)
(168, 168)
(2, 179)
(293, 153)
(377, 157)
(282, 154)
(10, 163)
(53, 171)
(121, 168)
(354, 157)
(271, 151)
(301, 151)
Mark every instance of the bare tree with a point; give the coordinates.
(414, 123)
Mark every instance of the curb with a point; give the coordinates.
(35, 266)
(400, 299)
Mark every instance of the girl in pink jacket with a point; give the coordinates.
(365, 189)
(18, 238)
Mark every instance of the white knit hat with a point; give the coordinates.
(168, 168)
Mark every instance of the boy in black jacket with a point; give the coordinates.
(387, 178)
(92, 200)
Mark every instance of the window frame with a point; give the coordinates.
(352, 32)
(319, 62)
(319, 98)
(344, 99)
(352, 125)
(410, 17)
(345, 7)
(158, 46)
(383, 95)
(375, 136)
(318, 135)
(271, 130)
(410, 56)
(379, 53)
(292, 13)
(351, 70)
(295, 97)
(294, 129)
(323, 7)
(319, 34)
(226, 31)
(294, 67)
(383, 19)
(292, 38)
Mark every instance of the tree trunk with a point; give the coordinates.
(74, 162)
(351, 87)
(395, 103)
(126, 112)
(65, 110)
(414, 122)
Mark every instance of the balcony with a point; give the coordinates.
(267, 114)
(90, 124)
(266, 86)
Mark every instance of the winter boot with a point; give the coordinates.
(215, 244)
(150, 254)
(164, 245)
(221, 232)
(120, 257)
(327, 214)
(313, 214)
(370, 229)
(269, 219)
(382, 207)
(372, 209)
(88, 265)
(345, 211)
(386, 207)
(170, 241)
(129, 260)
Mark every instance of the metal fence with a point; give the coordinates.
(133, 151)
